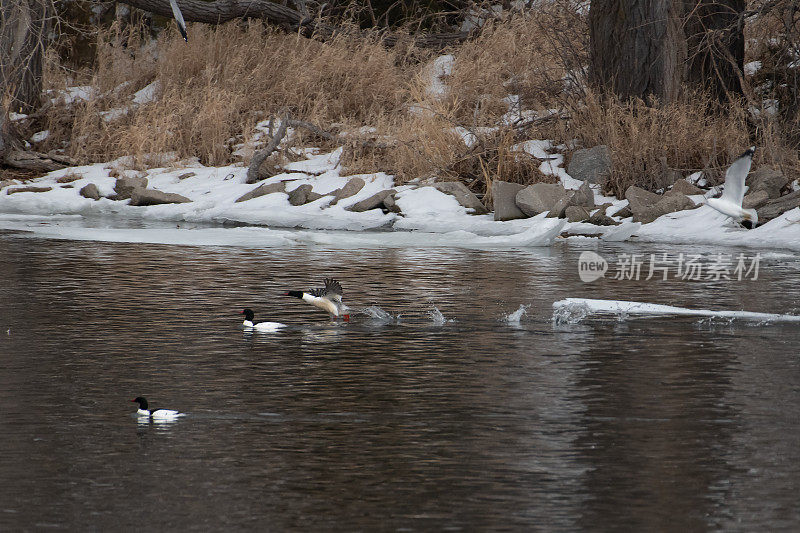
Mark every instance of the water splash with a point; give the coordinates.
(376, 313)
(572, 313)
(512, 319)
(437, 316)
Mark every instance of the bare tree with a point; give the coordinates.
(643, 48)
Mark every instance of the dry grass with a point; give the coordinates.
(214, 91)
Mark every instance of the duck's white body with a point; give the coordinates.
(323, 302)
(159, 414)
(730, 203)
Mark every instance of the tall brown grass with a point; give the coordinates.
(215, 89)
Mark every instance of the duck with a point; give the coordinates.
(259, 326)
(154, 414)
(730, 203)
(328, 298)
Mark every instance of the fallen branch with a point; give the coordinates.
(261, 155)
(220, 11)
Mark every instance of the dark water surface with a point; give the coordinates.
(406, 422)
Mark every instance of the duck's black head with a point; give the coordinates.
(248, 314)
(142, 401)
(296, 294)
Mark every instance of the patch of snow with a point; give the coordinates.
(436, 72)
(538, 148)
(147, 94)
(39, 136)
(587, 306)
(71, 95)
(752, 67)
(16, 116)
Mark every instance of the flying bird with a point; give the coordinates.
(328, 299)
(730, 203)
(176, 11)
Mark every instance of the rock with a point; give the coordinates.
(263, 190)
(504, 202)
(313, 196)
(373, 202)
(559, 210)
(350, 188)
(29, 189)
(142, 197)
(464, 196)
(117, 173)
(299, 196)
(777, 207)
(390, 204)
(90, 191)
(186, 175)
(684, 187)
(599, 218)
(754, 200)
(668, 204)
(640, 200)
(69, 178)
(767, 179)
(576, 213)
(590, 164)
(126, 184)
(625, 212)
(584, 196)
(539, 197)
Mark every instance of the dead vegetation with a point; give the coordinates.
(212, 93)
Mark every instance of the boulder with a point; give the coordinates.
(539, 197)
(263, 190)
(127, 182)
(590, 164)
(90, 191)
(299, 196)
(684, 187)
(141, 197)
(640, 200)
(625, 212)
(777, 207)
(767, 179)
(373, 202)
(599, 218)
(463, 195)
(559, 210)
(313, 196)
(29, 189)
(668, 204)
(350, 188)
(754, 200)
(390, 204)
(584, 196)
(504, 202)
(576, 213)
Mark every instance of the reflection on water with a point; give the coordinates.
(450, 400)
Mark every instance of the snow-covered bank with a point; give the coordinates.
(436, 218)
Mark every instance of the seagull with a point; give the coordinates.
(328, 299)
(176, 11)
(730, 203)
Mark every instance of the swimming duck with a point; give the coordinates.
(260, 326)
(155, 414)
(328, 298)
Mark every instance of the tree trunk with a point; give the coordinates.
(716, 45)
(23, 31)
(638, 48)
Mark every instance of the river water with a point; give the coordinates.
(450, 401)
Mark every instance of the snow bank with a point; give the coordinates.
(573, 310)
(436, 218)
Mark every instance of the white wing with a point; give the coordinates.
(176, 11)
(735, 176)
